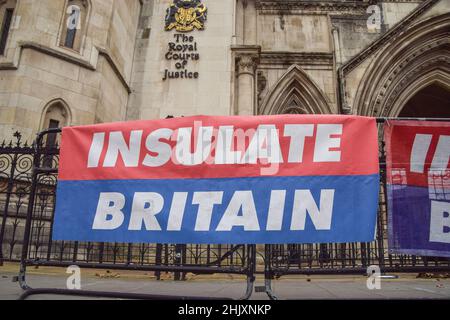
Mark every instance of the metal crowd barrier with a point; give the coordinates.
(38, 248)
(28, 179)
(350, 258)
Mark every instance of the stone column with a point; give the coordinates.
(246, 63)
(246, 84)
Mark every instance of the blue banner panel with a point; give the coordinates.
(251, 210)
(413, 221)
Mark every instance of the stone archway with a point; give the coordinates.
(418, 59)
(295, 93)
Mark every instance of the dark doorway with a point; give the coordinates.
(430, 102)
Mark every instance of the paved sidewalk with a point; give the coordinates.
(337, 287)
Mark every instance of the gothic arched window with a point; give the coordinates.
(6, 19)
(56, 115)
(295, 93)
(74, 24)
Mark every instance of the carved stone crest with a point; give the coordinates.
(186, 15)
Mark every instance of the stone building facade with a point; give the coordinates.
(246, 57)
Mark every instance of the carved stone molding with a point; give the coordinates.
(398, 63)
(246, 63)
(390, 104)
(247, 59)
(410, 68)
(261, 84)
(59, 54)
(300, 58)
(401, 1)
(419, 58)
(296, 7)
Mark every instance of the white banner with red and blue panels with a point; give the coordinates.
(236, 180)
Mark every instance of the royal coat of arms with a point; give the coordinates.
(186, 15)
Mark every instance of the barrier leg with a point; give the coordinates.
(250, 285)
(269, 292)
(251, 264)
(268, 272)
(21, 278)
